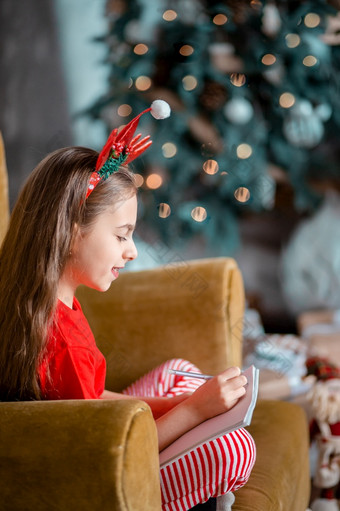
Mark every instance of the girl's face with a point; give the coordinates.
(99, 254)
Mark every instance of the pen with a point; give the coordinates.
(192, 375)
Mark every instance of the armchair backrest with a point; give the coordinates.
(192, 310)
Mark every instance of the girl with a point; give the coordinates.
(73, 224)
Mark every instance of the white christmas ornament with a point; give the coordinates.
(323, 111)
(238, 110)
(302, 108)
(303, 127)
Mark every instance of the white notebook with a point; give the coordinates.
(239, 416)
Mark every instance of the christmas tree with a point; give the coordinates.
(254, 92)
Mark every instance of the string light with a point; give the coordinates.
(238, 79)
(199, 214)
(154, 181)
(124, 110)
(186, 50)
(312, 20)
(140, 49)
(143, 83)
(244, 151)
(169, 150)
(287, 100)
(139, 180)
(189, 82)
(164, 210)
(169, 15)
(220, 19)
(210, 167)
(242, 194)
(292, 40)
(310, 61)
(268, 59)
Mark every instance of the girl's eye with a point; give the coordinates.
(121, 238)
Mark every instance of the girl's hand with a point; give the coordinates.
(217, 395)
(212, 398)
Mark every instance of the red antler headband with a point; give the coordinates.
(121, 148)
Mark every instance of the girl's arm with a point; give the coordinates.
(159, 405)
(177, 415)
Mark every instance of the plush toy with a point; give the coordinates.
(325, 429)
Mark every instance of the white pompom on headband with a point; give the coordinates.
(160, 109)
(121, 148)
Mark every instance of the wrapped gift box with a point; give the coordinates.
(281, 359)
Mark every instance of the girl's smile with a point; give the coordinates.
(115, 272)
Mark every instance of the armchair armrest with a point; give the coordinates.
(192, 310)
(88, 455)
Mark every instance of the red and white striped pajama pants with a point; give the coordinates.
(214, 468)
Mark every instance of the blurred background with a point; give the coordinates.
(247, 165)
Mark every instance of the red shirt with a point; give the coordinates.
(77, 368)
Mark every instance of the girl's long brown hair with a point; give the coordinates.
(34, 253)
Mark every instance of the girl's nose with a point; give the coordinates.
(131, 251)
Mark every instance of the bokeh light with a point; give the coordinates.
(310, 61)
(244, 151)
(189, 82)
(287, 100)
(242, 194)
(186, 50)
(169, 150)
(220, 19)
(154, 181)
(164, 210)
(312, 20)
(143, 83)
(292, 40)
(169, 15)
(268, 59)
(199, 214)
(238, 79)
(124, 110)
(141, 49)
(210, 167)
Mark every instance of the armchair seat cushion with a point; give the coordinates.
(280, 478)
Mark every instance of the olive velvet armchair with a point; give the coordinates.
(101, 455)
